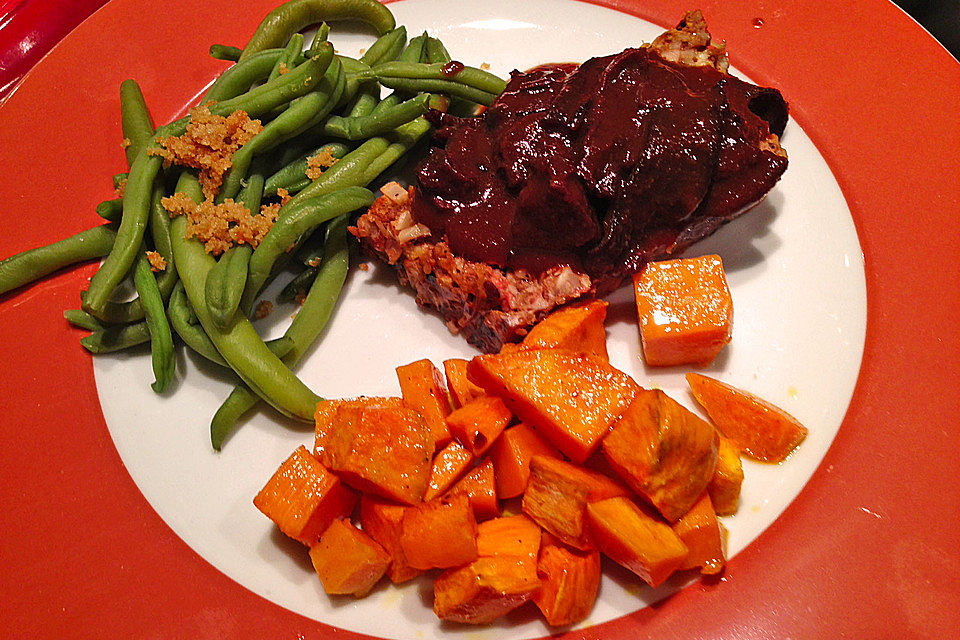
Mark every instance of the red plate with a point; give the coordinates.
(870, 549)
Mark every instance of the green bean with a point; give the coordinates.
(225, 52)
(292, 222)
(387, 103)
(226, 280)
(239, 345)
(289, 56)
(322, 35)
(436, 52)
(180, 314)
(469, 83)
(365, 101)
(240, 77)
(33, 264)
(298, 285)
(290, 17)
(161, 340)
(134, 119)
(359, 127)
(116, 338)
(387, 47)
(416, 49)
(110, 210)
(306, 326)
(296, 171)
(84, 320)
(352, 65)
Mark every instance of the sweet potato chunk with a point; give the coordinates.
(423, 389)
(448, 466)
(763, 431)
(557, 495)
(480, 487)
(511, 454)
(569, 398)
(663, 451)
(303, 498)
(685, 310)
(570, 580)
(724, 487)
(503, 576)
(461, 389)
(479, 422)
(700, 531)
(439, 534)
(347, 560)
(639, 542)
(576, 327)
(377, 445)
(383, 521)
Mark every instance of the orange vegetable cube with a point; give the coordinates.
(448, 465)
(439, 534)
(724, 487)
(557, 495)
(663, 451)
(423, 389)
(377, 445)
(700, 531)
(629, 536)
(383, 521)
(479, 422)
(461, 389)
(303, 498)
(569, 398)
(763, 431)
(685, 310)
(480, 487)
(511, 454)
(570, 580)
(503, 576)
(576, 327)
(347, 560)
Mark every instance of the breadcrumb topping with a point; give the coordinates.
(221, 226)
(208, 144)
(121, 188)
(316, 164)
(282, 68)
(264, 308)
(157, 263)
(125, 143)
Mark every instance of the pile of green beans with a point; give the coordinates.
(310, 100)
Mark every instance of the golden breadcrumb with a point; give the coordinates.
(121, 187)
(125, 143)
(264, 308)
(300, 299)
(221, 226)
(363, 266)
(316, 164)
(209, 144)
(485, 66)
(314, 262)
(157, 263)
(282, 68)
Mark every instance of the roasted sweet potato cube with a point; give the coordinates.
(663, 451)
(377, 445)
(569, 398)
(700, 531)
(484, 590)
(569, 582)
(685, 310)
(479, 422)
(462, 390)
(347, 560)
(576, 327)
(303, 497)
(441, 533)
(448, 466)
(724, 487)
(763, 431)
(513, 536)
(557, 495)
(423, 389)
(641, 543)
(511, 454)
(382, 520)
(480, 487)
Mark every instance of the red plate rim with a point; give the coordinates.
(863, 550)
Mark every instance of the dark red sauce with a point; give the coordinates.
(602, 166)
(451, 69)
